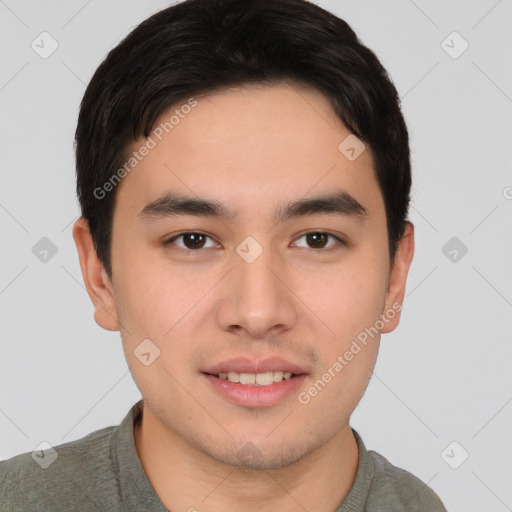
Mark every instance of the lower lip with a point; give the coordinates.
(256, 396)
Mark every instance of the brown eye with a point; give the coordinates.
(317, 240)
(190, 241)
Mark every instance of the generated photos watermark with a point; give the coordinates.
(137, 156)
(357, 345)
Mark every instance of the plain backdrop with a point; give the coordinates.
(442, 387)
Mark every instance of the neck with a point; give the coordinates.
(187, 479)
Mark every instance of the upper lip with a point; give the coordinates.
(244, 365)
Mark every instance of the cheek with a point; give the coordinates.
(154, 302)
(149, 293)
(167, 303)
(154, 306)
(347, 299)
(349, 302)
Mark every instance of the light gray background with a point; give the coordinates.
(442, 376)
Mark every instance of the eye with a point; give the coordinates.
(191, 241)
(318, 240)
(194, 241)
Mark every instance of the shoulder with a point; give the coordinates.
(50, 478)
(392, 486)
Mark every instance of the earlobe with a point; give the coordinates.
(96, 281)
(397, 279)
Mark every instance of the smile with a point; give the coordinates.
(255, 389)
(256, 379)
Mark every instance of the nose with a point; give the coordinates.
(256, 300)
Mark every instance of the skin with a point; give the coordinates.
(252, 149)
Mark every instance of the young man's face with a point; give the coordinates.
(252, 287)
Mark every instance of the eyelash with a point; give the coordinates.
(170, 241)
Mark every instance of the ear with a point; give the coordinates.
(97, 283)
(398, 277)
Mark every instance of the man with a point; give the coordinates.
(243, 172)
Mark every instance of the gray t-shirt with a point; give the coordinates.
(102, 472)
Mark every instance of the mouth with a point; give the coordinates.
(254, 379)
(251, 383)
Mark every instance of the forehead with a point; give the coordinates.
(250, 145)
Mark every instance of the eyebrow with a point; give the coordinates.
(171, 204)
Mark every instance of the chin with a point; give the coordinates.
(272, 457)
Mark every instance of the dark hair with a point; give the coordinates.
(202, 46)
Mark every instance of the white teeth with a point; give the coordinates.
(278, 376)
(258, 379)
(264, 379)
(233, 377)
(247, 378)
